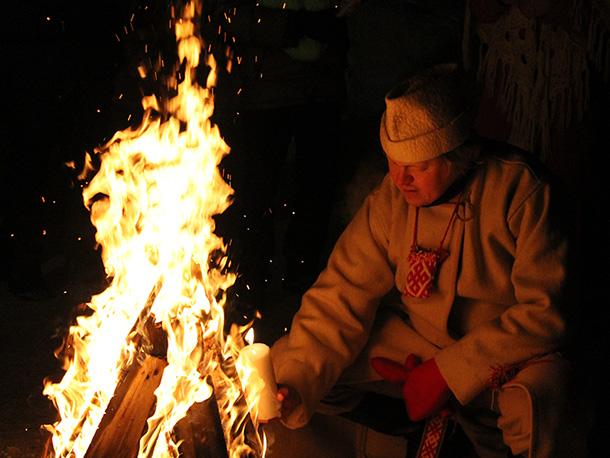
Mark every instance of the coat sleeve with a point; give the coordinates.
(336, 314)
(537, 246)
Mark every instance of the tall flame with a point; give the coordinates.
(159, 187)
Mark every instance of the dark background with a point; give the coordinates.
(69, 81)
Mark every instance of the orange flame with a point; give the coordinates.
(160, 188)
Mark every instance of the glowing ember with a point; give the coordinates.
(159, 187)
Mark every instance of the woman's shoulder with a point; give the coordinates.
(508, 160)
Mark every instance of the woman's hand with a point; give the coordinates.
(424, 389)
(289, 398)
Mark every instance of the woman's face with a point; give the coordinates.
(422, 182)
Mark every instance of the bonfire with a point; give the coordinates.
(152, 345)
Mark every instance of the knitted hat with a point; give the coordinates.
(427, 115)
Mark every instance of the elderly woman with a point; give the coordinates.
(457, 260)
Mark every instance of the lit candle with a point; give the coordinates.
(257, 376)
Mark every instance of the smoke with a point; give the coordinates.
(368, 174)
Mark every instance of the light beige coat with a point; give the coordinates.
(498, 299)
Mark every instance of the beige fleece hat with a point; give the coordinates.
(427, 115)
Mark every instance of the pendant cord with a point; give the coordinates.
(455, 209)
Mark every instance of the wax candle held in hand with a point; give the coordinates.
(258, 380)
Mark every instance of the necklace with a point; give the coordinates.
(423, 263)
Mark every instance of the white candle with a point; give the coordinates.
(258, 379)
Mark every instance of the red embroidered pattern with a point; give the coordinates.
(423, 264)
(422, 270)
(432, 439)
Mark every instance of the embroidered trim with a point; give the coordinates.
(432, 439)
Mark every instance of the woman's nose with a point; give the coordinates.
(404, 176)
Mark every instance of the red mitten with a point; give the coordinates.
(392, 371)
(426, 392)
(423, 387)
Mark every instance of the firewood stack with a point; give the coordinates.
(203, 433)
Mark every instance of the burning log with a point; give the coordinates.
(121, 428)
(199, 435)
(200, 432)
(124, 420)
(203, 433)
(226, 379)
(119, 431)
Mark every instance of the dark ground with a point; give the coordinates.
(64, 64)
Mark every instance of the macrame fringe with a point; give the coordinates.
(533, 109)
(598, 37)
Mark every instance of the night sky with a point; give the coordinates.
(60, 61)
(69, 82)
